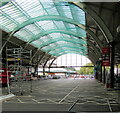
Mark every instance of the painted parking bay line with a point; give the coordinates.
(68, 94)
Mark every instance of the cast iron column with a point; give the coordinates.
(112, 53)
(104, 75)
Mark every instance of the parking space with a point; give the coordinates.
(60, 95)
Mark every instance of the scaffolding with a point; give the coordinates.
(19, 66)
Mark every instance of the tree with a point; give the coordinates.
(86, 70)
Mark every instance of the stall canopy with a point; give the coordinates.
(56, 28)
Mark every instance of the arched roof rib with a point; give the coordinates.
(56, 18)
(57, 48)
(106, 32)
(70, 52)
(38, 36)
(60, 39)
(45, 18)
(31, 26)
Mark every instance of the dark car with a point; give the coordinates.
(56, 77)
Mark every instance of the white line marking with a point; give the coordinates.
(109, 105)
(52, 101)
(68, 94)
(35, 100)
(19, 100)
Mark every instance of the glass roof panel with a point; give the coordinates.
(59, 24)
(50, 33)
(33, 29)
(55, 35)
(47, 25)
(52, 11)
(23, 34)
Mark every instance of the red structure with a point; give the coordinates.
(3, 77)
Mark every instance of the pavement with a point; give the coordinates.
(62, 95)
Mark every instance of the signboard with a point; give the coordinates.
(106, 56)
(105, 50)
(106, 63)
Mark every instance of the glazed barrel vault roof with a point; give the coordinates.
(56, 28)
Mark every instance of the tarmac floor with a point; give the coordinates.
(64, 95)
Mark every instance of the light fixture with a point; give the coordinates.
(118, 29)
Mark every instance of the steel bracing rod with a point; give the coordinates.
(91, 50)
(9, 37)
(41, 57)
(94, 47)
(46, 61)
(52, 62)
(96, 56)
(95, 38)
(45, 64)
(93, 59)
(106, 32)
(93, 53)
(35, 54)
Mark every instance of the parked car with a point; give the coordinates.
(56, 77)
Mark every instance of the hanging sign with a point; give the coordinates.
(105, 56)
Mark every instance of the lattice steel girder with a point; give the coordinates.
(95, 48)
(106, 32)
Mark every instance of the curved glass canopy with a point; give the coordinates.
(53, 27)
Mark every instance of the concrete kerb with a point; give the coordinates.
(5, 97)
